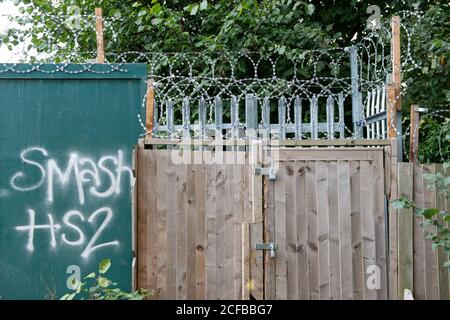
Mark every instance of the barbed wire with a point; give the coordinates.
(230, 75)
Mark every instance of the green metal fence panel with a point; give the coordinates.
(66, 139)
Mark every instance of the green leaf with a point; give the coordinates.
(419, 212)
(430, 212)
(103, 282)
(68, 296)
(446, 165)
(434, 246)
(104, 266)
(90, 275)
(142, 12)
(310, 9)
(398, 203)
(203, 5)
(427, 223)
(446, 264)
(194, 10)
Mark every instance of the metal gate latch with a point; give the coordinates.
(267, 246)
(267, 171)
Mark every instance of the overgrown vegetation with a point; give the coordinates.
(96, 286)
(434, 217)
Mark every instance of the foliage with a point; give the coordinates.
(101, 288)
(433, 217)
(434, 137)
(428, 86)
(281, 27)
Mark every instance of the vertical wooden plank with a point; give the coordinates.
(150, 106)
(280, 233)
(441, 256)
(380, 222)
(256, 183)
(238, 205)
(367, 226)
(172, 214)
(151, 205)
(431, 269)
(393, 224)
(341, 116)
(300, 171)
(191, 231)
(181, 189)
(291, 232)
(211, 267)
(419, 241)
(396, 58)
(201, 232)
(355, 187)
(345, 229)
(298, 114)
(218, 115)
(323, 229)
(99, 35)
(229, 233)
(282, 117)
(143, 215)
(312, 252)
(391, 112)
(334, 244)
(245, 244)
(162, 191)
(330, 117)
(256, 262)
(269, 236)
(414, 134)
(405, 230)
(220, 229)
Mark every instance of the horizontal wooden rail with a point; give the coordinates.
(246, 142)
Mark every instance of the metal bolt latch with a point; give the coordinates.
(267, 246)
(271, 172)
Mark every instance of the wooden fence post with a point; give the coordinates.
(414, 134)
(393, 90)
(150, 107)
(396, 63)
(99, 35)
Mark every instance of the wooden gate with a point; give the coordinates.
(326, 213)
(199, 225)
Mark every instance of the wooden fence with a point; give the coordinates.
(198, 225)
(327, 213)
(419, 267)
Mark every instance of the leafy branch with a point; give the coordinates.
(101, 288)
